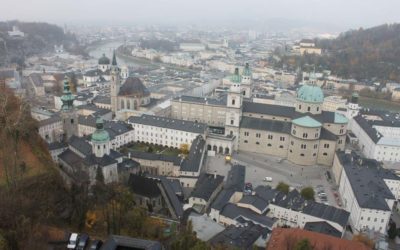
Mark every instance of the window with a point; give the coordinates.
(314, 154)
(282, 138)
(309, 109)
(341, 131)
(258, 135)
(305, 135)
(270, 137)
(315, 146)
(303, 146)
(292, 142)
(281, 146)
(340, 142)
(299, 106)
(290, 151)
(258, 143)
(317, 108)
(316, 135)
(369, 218)
(294, 131)
(233, 102)
(245, 141)
(269, 145)
(362, 218)
(246, 133)
(326, 145)
(325, 154)
(231, 122)
(301, 154)
(72, 121)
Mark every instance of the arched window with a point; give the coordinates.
(122, 104)
(128, 104)
(309, 109)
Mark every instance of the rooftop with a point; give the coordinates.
(206, 185)
(366, 178)
(307, 121)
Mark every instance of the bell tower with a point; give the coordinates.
(68, 113)
(100, 140)
(115, 84)
(234, 107)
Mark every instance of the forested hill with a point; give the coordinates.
(363, 54)
(38, 38)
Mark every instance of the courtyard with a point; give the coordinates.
(151, 148)
(259, 166)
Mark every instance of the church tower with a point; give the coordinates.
(246, 82)
(115, 84)
(68, 113)
(234, 107)
(100, 140)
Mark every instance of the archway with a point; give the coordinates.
(215, 148)
(221, 150)
(227, 151)
(208, 147)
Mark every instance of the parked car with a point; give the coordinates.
(73, 240)
(95, 245)
(268, 179)
(83, 240)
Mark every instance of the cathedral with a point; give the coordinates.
(127, 94)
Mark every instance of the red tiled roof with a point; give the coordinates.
(286, 238)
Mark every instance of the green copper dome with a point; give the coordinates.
(310, 93)
(104, 60)
(100, 135)
(236, 78)
(246, 70)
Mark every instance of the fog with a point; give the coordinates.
(330, 13)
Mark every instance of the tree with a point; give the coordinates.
(364, 240)
(184, 148)
(392, 231)
(303, 244)
(308, 193)
(283, 187)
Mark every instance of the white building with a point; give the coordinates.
(292, 210)
(379, 138)
(166, 132)
(367, 190)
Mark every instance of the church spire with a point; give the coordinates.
(67, 98)
(114, 60)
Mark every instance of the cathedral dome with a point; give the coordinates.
(310, 93)
(133, 86)
(100, 135)
(104, 60)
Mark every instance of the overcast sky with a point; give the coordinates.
(341, 13)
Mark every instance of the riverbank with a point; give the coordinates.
(379, 104)
(145, 61)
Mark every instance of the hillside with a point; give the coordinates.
(363, 54)
(38, 38)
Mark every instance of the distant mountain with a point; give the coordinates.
(37, 38)
(363, 54)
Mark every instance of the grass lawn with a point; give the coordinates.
(156, 149)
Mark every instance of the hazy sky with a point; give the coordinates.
(341, 13)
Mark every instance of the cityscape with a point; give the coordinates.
(199, 125)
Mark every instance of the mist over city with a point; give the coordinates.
(199, 125)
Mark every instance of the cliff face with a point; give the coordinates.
(22, 152)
